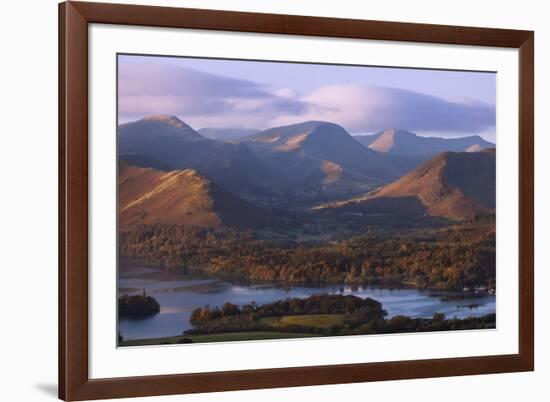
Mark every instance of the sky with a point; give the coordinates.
(258, 94)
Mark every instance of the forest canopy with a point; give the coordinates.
(452, 257)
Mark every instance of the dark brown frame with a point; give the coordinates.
(74, 382)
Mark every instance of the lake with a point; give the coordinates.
(179, 294)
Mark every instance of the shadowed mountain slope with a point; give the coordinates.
(319, 152)
(175, 144)
(225, 134)
(454, 185)
(143, 160)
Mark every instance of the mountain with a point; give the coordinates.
(175, 144)
(452, 184)
(225, 134)
(147, 195)
(143, 160)
(322, 155)
(402, 142)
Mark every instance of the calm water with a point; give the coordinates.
(179, 294)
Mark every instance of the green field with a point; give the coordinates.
(310, 320)
(224, 337)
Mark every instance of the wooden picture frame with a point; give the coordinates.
(74, 381)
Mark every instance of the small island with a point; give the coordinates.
(137, 306)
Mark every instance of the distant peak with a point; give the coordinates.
(392, 132)
(317, 122)
(308, 125)
(386, 139)
(474, 148)
(172, 120)
(281, 134)
(389, 131)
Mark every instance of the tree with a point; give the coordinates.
(229, 309)
(438, 317)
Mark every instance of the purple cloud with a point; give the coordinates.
(371, 108)
(209, 100)
(202, 98)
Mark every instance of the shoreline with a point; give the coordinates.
(221, 337)
(260, 336)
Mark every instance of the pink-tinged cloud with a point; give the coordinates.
(199, 98)
(208, 100)
(370, 108)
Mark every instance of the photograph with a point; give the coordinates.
(272, 200)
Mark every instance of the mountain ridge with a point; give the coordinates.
(303, 149)
(451, 184)
(403, 142)
(149, 196)
(299, 163)
(168, 139)
(227, 133)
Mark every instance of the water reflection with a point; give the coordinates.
(179, 294)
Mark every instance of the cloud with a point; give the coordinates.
(207, 100)
(199, 98)
(370, 108)
(163, 79)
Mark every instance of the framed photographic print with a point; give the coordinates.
(259, 200)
